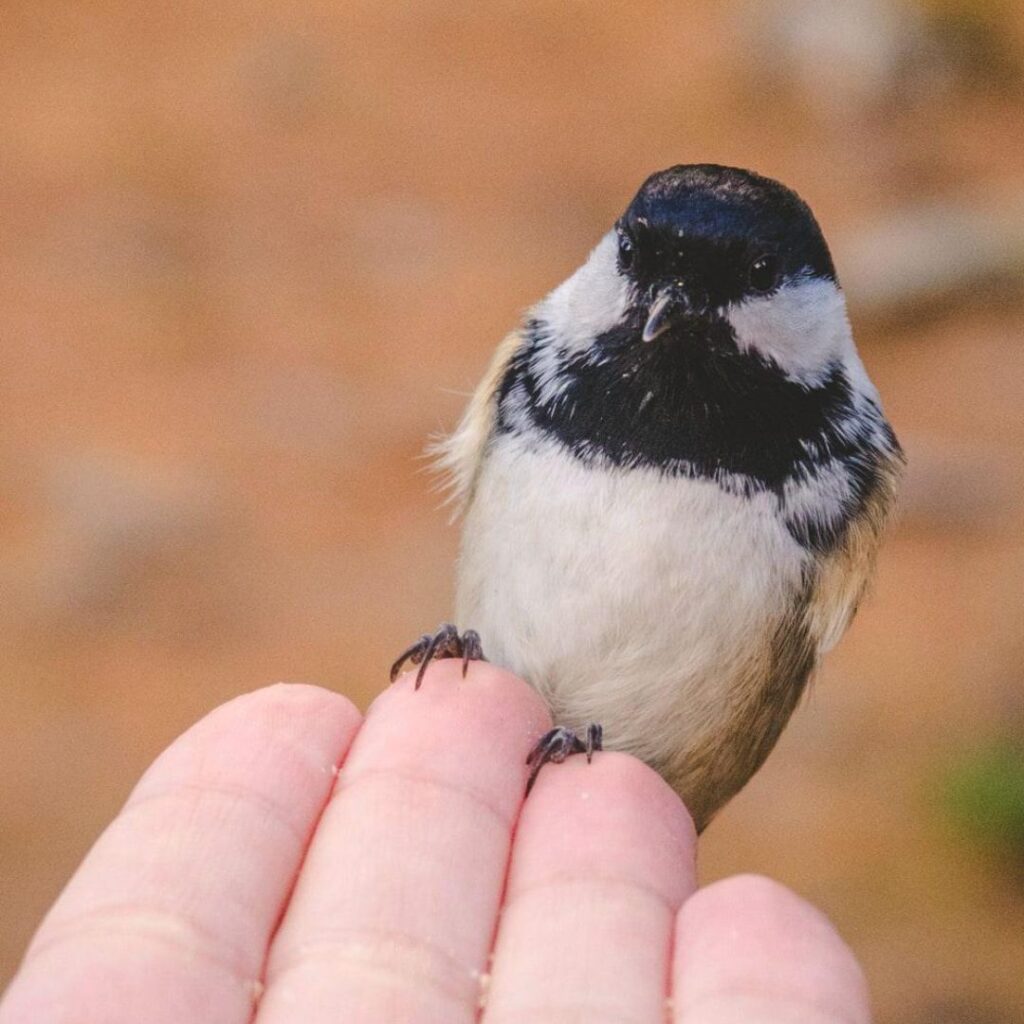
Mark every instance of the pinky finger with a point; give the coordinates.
(749, 949)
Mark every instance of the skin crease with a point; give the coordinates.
(681, 526)
(288, 860)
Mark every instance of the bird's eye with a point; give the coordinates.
(763, 273)
(626, 251)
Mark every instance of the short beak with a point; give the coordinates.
(664, 310)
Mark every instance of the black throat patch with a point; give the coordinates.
(690, 405)
(694, 406)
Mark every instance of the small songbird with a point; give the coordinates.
(674, 477)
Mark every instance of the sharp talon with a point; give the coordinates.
(427, 656)
(412, 653)
(534, 772)
(471, 649)
(558, 744)
(534, 754)
(445, 642)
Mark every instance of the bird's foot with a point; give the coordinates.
(558, 744)
(445, 642)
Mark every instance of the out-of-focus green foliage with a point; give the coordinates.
(984, 797)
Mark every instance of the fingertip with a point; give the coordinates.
(623, 779)
(471, 733)
(292, 699)
(619, 804)
(750, 938)
(484, 675)
(271, 705)
(746, 893)
(487, 697)
(284, 726)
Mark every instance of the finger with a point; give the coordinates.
(169, 917)
(749, 949)
(603, 858)
(394, 913)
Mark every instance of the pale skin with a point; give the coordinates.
(287, 860)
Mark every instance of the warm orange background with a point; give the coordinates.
(252, 255)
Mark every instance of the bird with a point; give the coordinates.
(674, 479)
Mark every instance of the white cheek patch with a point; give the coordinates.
(592, 301)
(802, 327)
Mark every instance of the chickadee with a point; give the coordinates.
(674, 476)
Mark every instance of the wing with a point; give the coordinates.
(459, 455)
(708, 776)
(845, 574)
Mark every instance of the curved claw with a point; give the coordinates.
(445, 642)
(472, 649)
(413, 652)
(446, 637)
(558, 744)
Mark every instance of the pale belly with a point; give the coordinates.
(645, 603)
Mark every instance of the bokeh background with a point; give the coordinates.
(251, 255)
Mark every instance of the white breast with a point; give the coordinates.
(625, 597)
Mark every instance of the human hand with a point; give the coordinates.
(285, 861)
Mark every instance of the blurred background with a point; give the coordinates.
(251, 255)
